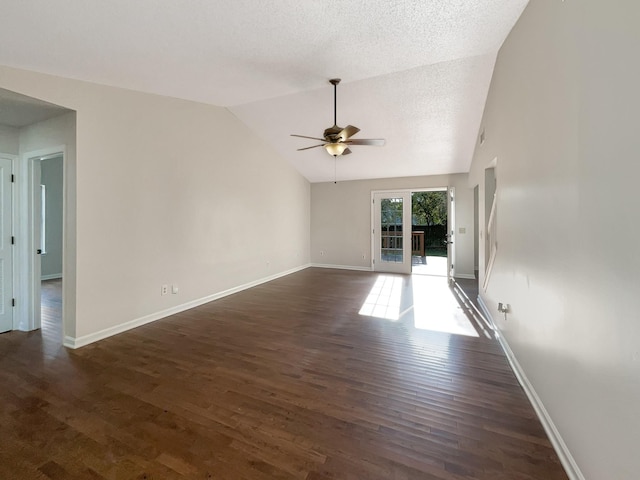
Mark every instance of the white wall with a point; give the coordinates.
(9, 140)
(562, 120)
(341, 219)
(168, 191)
(52, 179)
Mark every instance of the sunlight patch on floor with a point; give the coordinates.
(384, 298)
(431, 266)
(430, 304)
(435, 307)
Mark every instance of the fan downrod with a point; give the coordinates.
(334, 82)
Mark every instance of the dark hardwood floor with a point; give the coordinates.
(51, 309)
(283, 381)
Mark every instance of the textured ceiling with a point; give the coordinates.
(414, 72)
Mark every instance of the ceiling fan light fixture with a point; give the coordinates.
(337, 140)
(335, 148)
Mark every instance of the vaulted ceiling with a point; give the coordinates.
(414, 72)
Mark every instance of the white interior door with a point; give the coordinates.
(392, 232)
(451, 232)
(6, 249)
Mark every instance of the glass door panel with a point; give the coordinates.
(391, 232)
(391, 216)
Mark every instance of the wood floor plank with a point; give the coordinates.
(282, 381)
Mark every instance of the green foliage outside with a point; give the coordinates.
(429, 215)
(429, 208)
(391, 211)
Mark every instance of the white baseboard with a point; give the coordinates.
(469, 276)
(77, 342)
(567, 460)
(51, 276)
(485, 311)
(342, 267)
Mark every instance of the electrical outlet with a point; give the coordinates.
(164, 289)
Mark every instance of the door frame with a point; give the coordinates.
(27, 313)
(14, 161)
(451, 233)
(450, 227)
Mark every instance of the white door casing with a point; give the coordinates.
(6, 246)
(36, 225)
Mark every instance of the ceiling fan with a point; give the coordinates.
(337, 140)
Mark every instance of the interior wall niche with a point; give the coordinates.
(489, 196)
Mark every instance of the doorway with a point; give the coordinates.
(41, 253)
(429, 232)
(413, 231)
(50, 242)
(38, 130)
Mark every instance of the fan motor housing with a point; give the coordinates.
(331, 133)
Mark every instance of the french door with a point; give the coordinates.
(392, 232)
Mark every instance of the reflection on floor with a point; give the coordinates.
(429, 265)
(51, 305)
(425, 302)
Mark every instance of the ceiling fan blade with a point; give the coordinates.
(346, 151)
(311, 138)
(367, 141)
(315, 146)
(347, 132)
